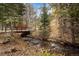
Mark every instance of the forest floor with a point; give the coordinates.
(17, 46)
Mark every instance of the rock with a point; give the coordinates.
(4, 41)
(56, 46)
(27, 39)
(35, 41)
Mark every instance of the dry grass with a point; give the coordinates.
(24, 48)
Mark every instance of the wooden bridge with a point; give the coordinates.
(23, 33)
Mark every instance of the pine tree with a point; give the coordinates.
(44, 23)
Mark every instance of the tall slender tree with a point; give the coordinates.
(44, 22)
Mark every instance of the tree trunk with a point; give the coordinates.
(2, 26)
(72, 30)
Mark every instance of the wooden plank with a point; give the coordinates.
(16, 31)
